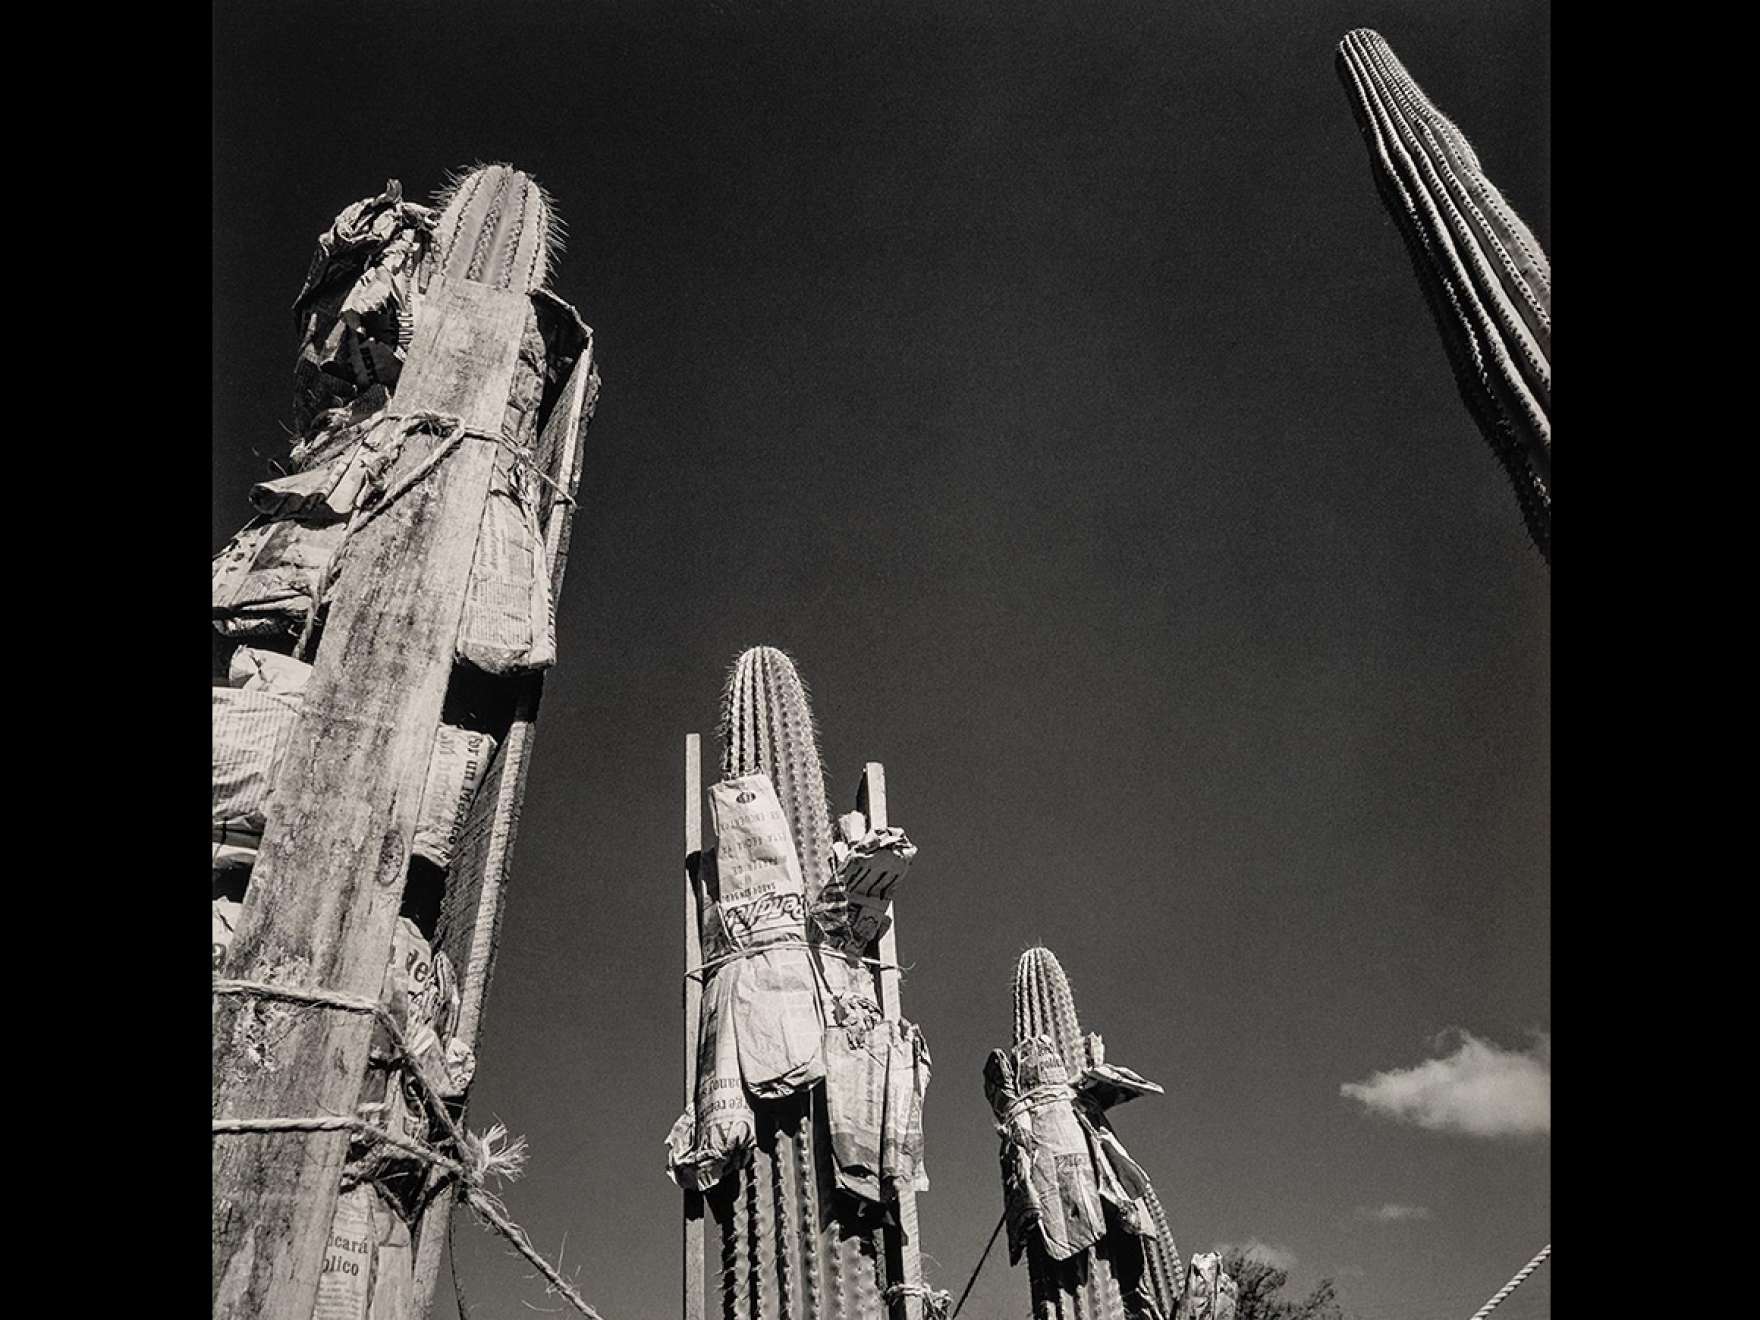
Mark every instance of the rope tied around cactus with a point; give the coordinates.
(1513, 1284)
(1037, 1097)
(452, 432)
(476, 1157)
(713, 965)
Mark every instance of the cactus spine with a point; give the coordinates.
(1093, 1285)
(786, 1248)
(1488, 283)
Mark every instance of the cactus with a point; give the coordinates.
(497, 226)
(1108, 1281)
(1488, 283)
(790, 1247)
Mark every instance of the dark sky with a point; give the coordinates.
(1048, 379)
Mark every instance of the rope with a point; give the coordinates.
(1037, 1097)
(454, 432)
(491, 1154)
(715, 964)
(1513, 1284)
(994, 1233)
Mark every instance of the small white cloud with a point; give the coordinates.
(1279, 1258)
(1480, 1089)
(1391, 1213)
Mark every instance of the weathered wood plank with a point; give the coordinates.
(904, 1257)
(326, 889)
(693, 1000)
(476, 887)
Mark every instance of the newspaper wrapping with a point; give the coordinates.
(1047, 1166)
(758, 1025)
(1122, 1181)
(254, 719)
(424, 1002)
(875, 1074)
(509, 620)
(267, 577)
(761, 904)
(1227, 1297)
(866, 868)
(353, 314)
(1210, 1293)
(713, 1135)
(369, 1268)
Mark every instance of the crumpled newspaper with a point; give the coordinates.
(253, 723)
(1060, 1157)
(424, 1003)
(759, 1025)
(509, 620)
(1047, 1166)
(1210, 1292)
(714, 1134)
(354, 314)
(866, 866)
(876, 1072)
(1109, 1084)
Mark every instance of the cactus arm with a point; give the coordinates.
(1488, 283)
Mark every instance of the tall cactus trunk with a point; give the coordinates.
(1093, 1284)
(785, 1250)
(1488, 283)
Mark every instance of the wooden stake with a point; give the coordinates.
(904, 1260)
(470, 921)
(693, 999)
(325, 892)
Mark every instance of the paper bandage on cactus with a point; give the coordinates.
(253, 723)
(354, 314)
(866, 871)
(756, 884)
(1210, 1293)
(713, 1136)
(875, 1074)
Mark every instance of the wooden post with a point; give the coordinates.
(904, 1259)
(328, 884)
(693, 999)
(470, 920)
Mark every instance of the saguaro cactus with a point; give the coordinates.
(1098, 1283)
(497, 226)
(1488, 283)
(790, 1248)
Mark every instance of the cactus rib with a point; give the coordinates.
(1484, 275)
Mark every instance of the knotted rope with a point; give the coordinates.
(476, 1158)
